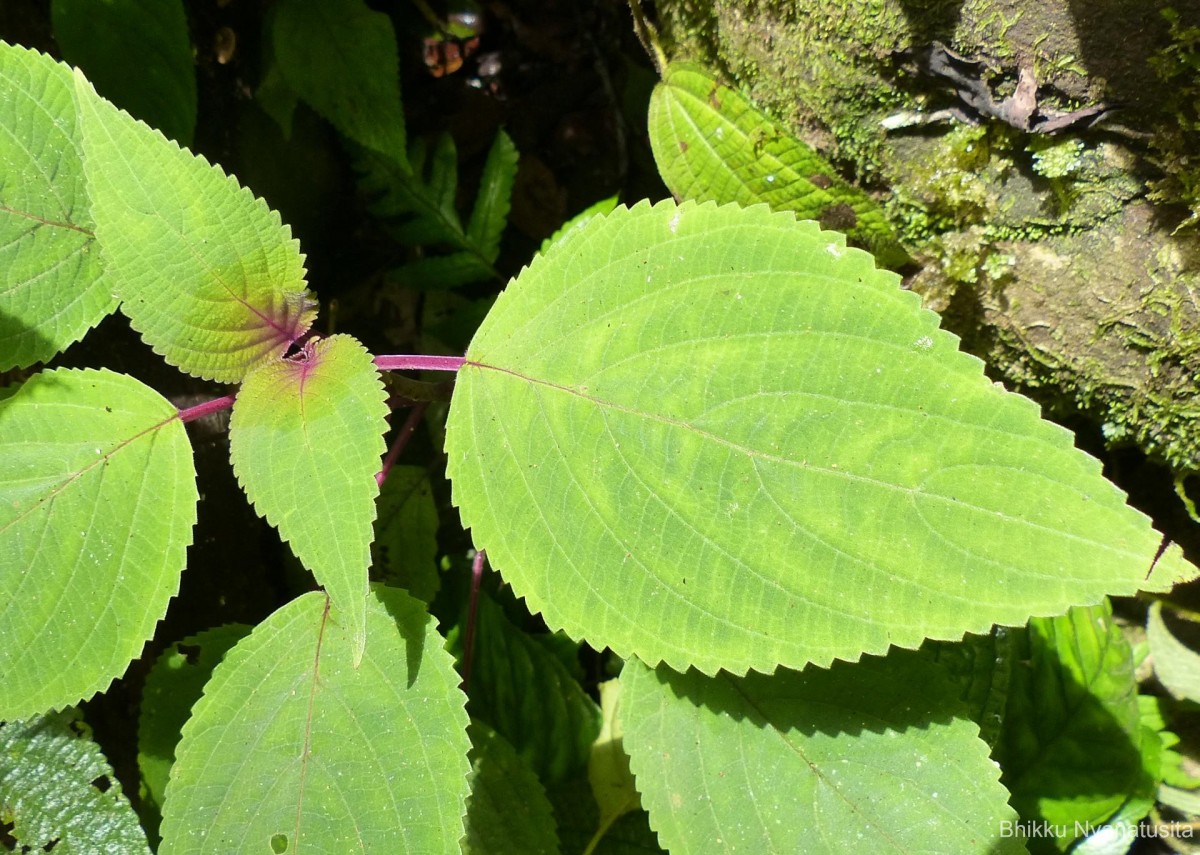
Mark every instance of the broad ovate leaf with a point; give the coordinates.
(717, 437)
(712, 144)
(869, 757)
(51, 286)
(97, 502)
(59, 793)
(293, 748)
(306, 440)
(206, 272)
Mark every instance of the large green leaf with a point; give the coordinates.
(1072, 734)
(306, 441)
(341, 57)
(717, 437)
(207, 273)
(51, 287)
(294, 749)
(58, 791)
(138, 54)
(712, 144)
(97, 502)
(869, 757)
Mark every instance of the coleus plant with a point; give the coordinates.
(713, 439)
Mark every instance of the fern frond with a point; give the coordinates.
(419, 199)
(494, 198)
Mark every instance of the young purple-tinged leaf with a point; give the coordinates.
(296, 747)
(306, 440)
(715, 436)
(52, 290)
(97, 502)
(207, 272)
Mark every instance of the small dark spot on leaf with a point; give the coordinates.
(49, 847)
(102, 783)
(191, 651)
(279, 843)
(822, 181)
(108, 409)
(713, 100)
(683, 146)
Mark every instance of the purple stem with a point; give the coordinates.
(401, 440)
(206, 409)
(405, 362)
(472, 608)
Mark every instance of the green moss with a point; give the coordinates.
(1054, 157)
(1177, 140)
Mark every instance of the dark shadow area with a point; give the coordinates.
(1117, 39)
(931, 21)
(412, 620)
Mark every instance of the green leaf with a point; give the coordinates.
(508, 811)
(578, 819)
(97, 502)
(405, 547)
(982, 665)
(597, 209)
(52, 288)
(1176, 769)
(306, 441)
(1176, 664)
(832, 761)
(521, 689)
(442, 271)
(174, 684)
(59, 792)
(340, 57)
(1070, 745)
(293, 745)
(207, 273)
(707, 436)
(608, 768)
(712, 144)
(138, 55)
(420, 201)
(490, 214)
